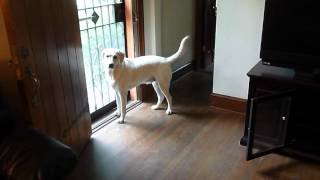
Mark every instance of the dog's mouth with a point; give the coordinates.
(111, 66)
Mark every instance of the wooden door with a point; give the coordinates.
(209, 32)
(205, 32)
(8, 81)
(48, 46)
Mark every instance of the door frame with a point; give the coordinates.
(201, 18)
(134, 18)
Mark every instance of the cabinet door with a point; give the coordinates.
(268, 123)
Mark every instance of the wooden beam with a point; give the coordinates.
(129, 28)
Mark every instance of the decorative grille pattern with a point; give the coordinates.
(100, 29)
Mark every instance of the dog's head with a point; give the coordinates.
(112, 58)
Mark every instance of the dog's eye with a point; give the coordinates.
(114, 57)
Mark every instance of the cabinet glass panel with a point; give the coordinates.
(268, 123)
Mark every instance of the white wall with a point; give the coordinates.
(177, 22)
(152, 27)
(237, 46)
(166, 22)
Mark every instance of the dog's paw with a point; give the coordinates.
(117, 114)
(121, 121)
(169, 111)
(155, 107)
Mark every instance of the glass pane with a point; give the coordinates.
(89, 21)
(100, 41)
(94, 38)
(111, 14)
(88, 70)
(88, 3)
(120, 34)
(96, 67)
(107, 36)
(100, 38)
(104, 2)
(96, 3)
(114, 36)
(105, 15)
(80, 4)
(83, 24)
(270, 124)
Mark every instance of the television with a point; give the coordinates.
(291, 34)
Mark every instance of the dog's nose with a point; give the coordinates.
(111, 66)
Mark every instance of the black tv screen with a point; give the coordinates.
(291, 33)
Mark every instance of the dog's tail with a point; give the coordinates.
(181, 51)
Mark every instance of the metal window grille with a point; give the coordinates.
(100, 28)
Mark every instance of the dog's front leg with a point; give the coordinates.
(123, 103)
(118, 112)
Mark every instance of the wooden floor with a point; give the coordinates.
(197, 142)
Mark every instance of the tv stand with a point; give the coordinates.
(283, 113)
(316, 74)
(309, 74)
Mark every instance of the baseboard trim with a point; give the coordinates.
(229, 103)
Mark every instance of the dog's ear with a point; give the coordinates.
(120, 55)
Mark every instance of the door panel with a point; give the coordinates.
(268, 123)
(209, 31)
(49, 33)
(205, 33)
(8, 79)
(24, 54)
(37, 33)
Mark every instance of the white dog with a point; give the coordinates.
(126, 73)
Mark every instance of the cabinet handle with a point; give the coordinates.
(284, 118)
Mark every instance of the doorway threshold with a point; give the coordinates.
(111, 116)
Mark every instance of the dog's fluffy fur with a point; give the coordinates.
(126, 73)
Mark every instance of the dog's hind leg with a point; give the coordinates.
(123, 103)
(159, 95)
(164, 86)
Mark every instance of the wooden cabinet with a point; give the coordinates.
(282, 113)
